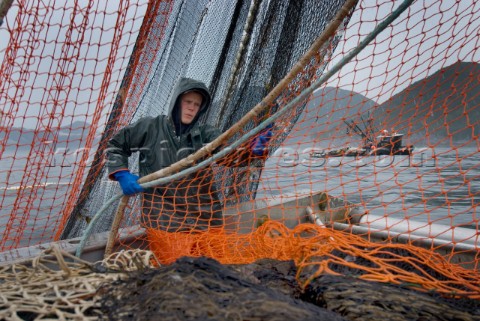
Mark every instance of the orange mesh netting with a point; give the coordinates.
(371, 171)
(318, 250)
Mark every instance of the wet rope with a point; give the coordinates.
(59, 286)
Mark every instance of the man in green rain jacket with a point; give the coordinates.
(187, 204)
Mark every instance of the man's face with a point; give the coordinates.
(190, 105)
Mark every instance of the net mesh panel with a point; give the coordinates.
(74, 75)
(188, 49)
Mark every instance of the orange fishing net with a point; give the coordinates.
(318, 250)
(374, 173)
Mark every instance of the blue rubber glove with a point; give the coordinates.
(128, 182)
(260, 143)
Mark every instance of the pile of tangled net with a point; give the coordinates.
(328, 270)
(320, 250)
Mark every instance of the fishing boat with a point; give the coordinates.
(317, 208)
(64, 272)
(389, 145)
(383, 145)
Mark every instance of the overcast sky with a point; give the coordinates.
(409, 50)
(50, 54)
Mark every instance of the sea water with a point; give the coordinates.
(35, 192)
(438, 185)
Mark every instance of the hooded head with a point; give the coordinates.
(184, 87)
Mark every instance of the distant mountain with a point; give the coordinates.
(439, 109)
(323, 119)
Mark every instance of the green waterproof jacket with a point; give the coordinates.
(190, 203)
